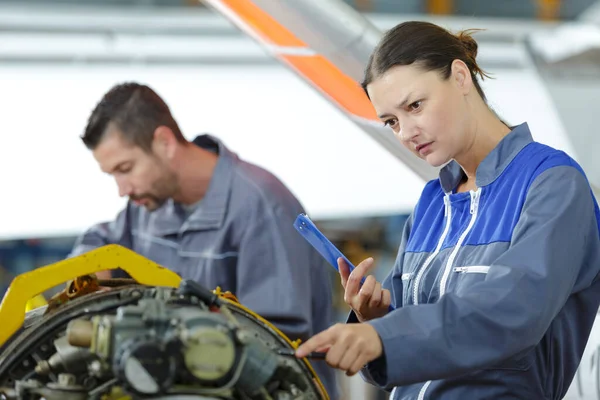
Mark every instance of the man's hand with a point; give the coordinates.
(368, 301)
(349, 346)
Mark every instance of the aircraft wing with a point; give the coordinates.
(327, 43)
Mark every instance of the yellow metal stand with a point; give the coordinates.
(35, 302)
(26, 286)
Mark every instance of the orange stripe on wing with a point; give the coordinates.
(338, 86)
(317, 70)
(268, 28)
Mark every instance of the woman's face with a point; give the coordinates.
(427, 113)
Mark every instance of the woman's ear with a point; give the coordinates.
(461, 75)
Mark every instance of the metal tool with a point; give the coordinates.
(292, 353)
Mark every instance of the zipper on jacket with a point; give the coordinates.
(474, 208)
(421, 271)
(473, 269)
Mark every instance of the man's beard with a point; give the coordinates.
(151, 202)
(162, 190)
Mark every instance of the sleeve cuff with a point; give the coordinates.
(378, 368)
(376, 371)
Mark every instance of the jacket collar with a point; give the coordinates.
(210, 212)
(493, 164)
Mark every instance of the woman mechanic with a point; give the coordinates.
(495, 286)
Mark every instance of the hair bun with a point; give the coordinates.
(470, 45)
(467, 40)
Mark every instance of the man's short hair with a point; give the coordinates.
(135, 110)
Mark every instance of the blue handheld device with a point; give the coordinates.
(313, 235)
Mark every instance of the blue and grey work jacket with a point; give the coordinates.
(496, 289)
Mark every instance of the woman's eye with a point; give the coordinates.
(415, 106)
(389, 122)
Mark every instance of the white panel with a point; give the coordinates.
(51, 184)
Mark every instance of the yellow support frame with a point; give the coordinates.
(145, 272)
(30, 284)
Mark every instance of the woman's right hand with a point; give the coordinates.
(369, 301)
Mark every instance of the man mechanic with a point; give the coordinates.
(199, 210)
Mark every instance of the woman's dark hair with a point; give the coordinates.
(432, 47)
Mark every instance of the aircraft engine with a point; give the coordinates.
(160, 342)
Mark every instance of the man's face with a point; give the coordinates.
(144, 177)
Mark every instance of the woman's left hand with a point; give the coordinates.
(349, 346)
